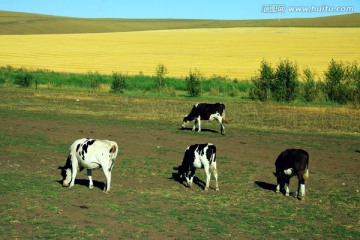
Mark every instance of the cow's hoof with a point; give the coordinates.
(217, 189)
(206, 189)
(287, 194)
(91, 186)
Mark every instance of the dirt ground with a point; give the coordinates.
(327, 155)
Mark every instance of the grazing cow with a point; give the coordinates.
(289, 163)
(199, 156)
(90, 154)
(206, 111)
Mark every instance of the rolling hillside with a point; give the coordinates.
(24, 23)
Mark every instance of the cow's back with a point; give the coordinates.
(291, 158)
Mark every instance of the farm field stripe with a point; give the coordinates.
(234, 52)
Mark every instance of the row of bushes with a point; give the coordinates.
(341, 83)
(195, 84)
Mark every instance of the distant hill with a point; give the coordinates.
(26, 23)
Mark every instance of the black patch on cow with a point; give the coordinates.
(78, 146)
(87, 144)
(210, 151)
(68, 165)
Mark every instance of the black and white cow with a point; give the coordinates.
(292, 162)
(90, 154)
(199, 156)
(206, 111)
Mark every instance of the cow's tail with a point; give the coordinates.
(223, 114)
(114, 150)
(306, 173)
(213, 160)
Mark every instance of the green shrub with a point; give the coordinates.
(160, 72)
(285, 82)
(353, 83)
(193, 83)
(23, 79)
(94, 80)
(335, 79)
(118, 83)
(261, 89)
(311, 88)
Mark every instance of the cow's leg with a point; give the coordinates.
(220, 120)
(108, 180)
(302, 189)
(194, 127)
(287, 183)
(278, 186)
(89, 174)
(191, 176)
(301, 186)
(199, 124)
(74, 172)
(191, 181)
(214, 171)
(222, 126)
(208, 176)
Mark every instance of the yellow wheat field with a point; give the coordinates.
(234, 52)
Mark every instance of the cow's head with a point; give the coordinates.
(181, 172)
(66, 174)
(186, 120)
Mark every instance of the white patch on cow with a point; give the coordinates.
(198, 121)
(302, 190)
(278, 188)
(68, 177)
(89, 174)
(288, 172)
(287, 190)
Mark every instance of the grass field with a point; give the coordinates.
(24, 23)
(146, 201)
(234, 52)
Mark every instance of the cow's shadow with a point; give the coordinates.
(202, 129)
(85, 182)
(266, 186)
(176, 177)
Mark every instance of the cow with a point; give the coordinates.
(206, 111)
(199, 156)
(292, 162)
(90, 154)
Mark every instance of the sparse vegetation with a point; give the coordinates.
(160, 72)
(193, 83)
(310, 86)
